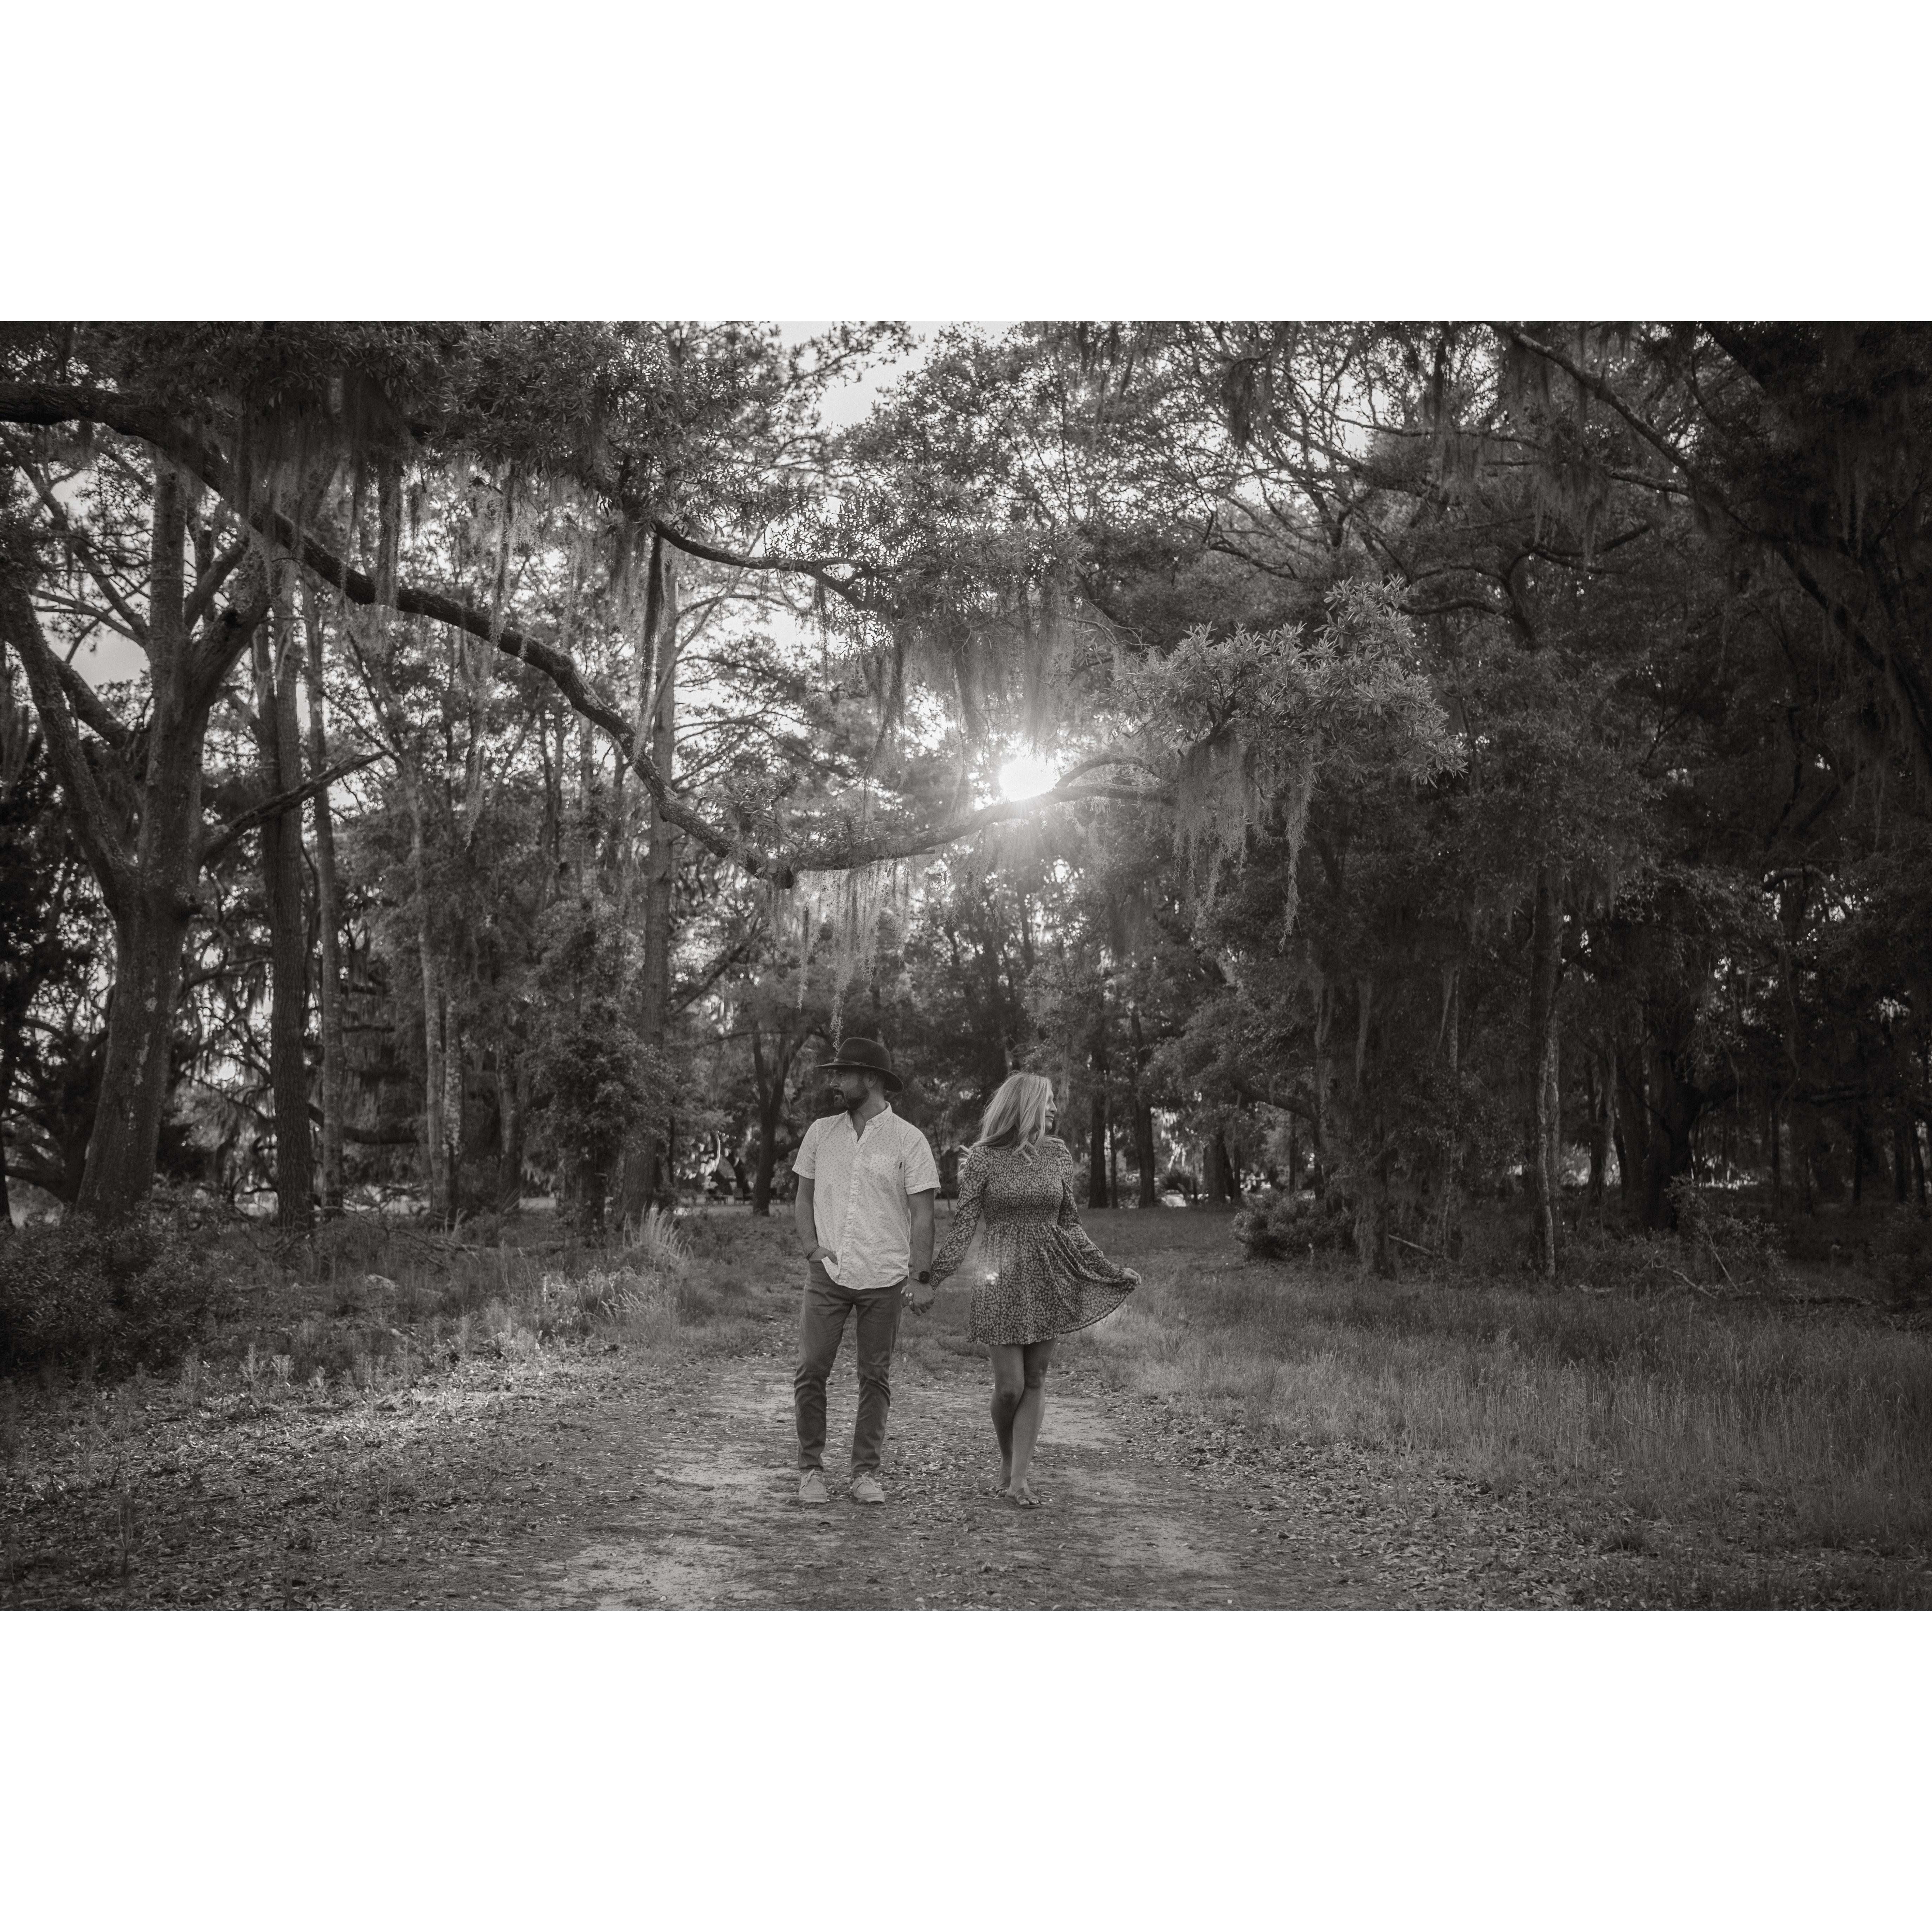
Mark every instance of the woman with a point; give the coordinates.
(1044, 1277)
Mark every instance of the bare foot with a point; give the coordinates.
(1021, 1495)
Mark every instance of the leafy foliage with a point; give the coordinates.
(1406, 681)
(595, 1082)
(75, 1295)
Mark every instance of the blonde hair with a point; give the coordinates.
(1016, 1115)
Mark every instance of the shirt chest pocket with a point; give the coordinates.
(878, 1166)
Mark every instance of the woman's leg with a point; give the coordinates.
(1009, 1386)
(1035, 1359)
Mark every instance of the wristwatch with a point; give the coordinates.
(924, 1275)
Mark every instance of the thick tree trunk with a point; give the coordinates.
(769, 1076)
(327, 903)
(148, 890)
(1148, 1193)
(766, 1166)
(436, 1140)
(1324, 1018)
(134, 1074)
(278, 746)
(455, 1114)
(1096, 1116)
(1631, 1130)
(1147, 1183)
(410, 778)
(1374, 1211)
(1597, 1095)
(435, 1131)
(157, 902)
(1448, 1218)
(148, 886)
(1545, 966)
(513, 1113)
(1218, 1168)
(647, 1165)
(6, 1109)
(1675, 1105)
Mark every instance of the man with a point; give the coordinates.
(864, 1211)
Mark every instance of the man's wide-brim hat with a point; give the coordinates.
(867, 1056)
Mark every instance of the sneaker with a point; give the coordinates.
(866, 1489)
(811, 1487)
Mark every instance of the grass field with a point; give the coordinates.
(1668, 1418)
(1658, 1427)
(1812, 1424)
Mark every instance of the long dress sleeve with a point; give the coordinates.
(1067, 1216)
(1076, 1238)
(966, 1217)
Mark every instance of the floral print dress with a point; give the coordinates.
(1043, 1276)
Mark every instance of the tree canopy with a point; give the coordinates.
(1403, 764)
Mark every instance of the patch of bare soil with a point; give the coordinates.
(720, 1526)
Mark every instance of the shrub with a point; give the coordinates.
(1723, 1245)
(1904, 1260)
(1284, 1224)
(114, 1299)
(568, 1303)
(656, 1242)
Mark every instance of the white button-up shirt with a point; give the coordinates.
(861, 1189)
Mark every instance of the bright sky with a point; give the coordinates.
(849, 403)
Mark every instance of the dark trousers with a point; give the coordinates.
(820, 1329)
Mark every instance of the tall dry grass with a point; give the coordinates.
(1676, 1404)
(369, 1301)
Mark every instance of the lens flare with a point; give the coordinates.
(1026, 777)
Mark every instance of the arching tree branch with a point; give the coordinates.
(49, 403)
(99, 838)
(290, 800)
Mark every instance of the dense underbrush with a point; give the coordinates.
(371, 1304)
(367, 1303)
(1719, 1246)
(81, 1298)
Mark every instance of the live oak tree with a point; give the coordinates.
(1598, 823)
(294, 416)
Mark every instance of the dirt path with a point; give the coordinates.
(716, 1525)
(621, 1477)
(628, 1473)
(652, 1467)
